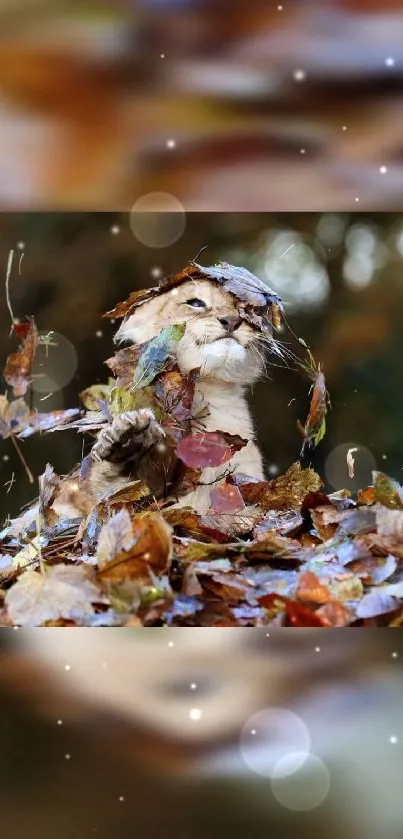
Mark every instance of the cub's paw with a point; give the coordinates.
(128, 438)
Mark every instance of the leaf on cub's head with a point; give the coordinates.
(249, 292)
(156, 354)
(17, 371)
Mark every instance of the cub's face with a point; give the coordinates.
(216, 339)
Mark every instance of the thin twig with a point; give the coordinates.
(22, 459)
(8, 275)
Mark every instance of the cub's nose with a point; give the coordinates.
(230, 323)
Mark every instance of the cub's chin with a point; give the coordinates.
(225, 359)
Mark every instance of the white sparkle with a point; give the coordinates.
(279, 8)
(317, 649)
(6, 457)
(60, 722)
(21, 246)
(67, 757)
(390, 62)
(121, 798)
(393, 739)
(171, 144)
(193, 686)
(67, 667)
(302, 151)
(115, 230)
(195, 714)
(267, 634)
(253, 731)
(156, 272)
(395, 655)
(357, 199)
(170, 643)
(147, 555)
(344, 127)
(162, 55)
(299, 75)
(383, 170)
(99, 333)
(384, 456)
(174, 292)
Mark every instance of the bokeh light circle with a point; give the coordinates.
(55, 363)
(336, 469)
(302, 789)
(157, 219)
(271, 735)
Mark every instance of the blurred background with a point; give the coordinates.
(221, 104)
(200, 732)
(340, 276)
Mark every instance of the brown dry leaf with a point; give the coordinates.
(387, 491)
(366, 496)
(17, 371)
(246, 288)
(63, 591)
(311, 590)
(284, 522)
(231, 587)
(390, 523)
(314, 429)
(334, 614)
(149, 549)
(285, 492)
(49, 484)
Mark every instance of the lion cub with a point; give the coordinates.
(226, 349)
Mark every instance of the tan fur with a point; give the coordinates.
(227, 365)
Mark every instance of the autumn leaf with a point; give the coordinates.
(208, 448)
(92, 396)
(247, 290)
(226, 499)
(285, 492)
(148, 549)
(311, 590)
(63, 591)
(387, 491)
(156, 355)
(14, 417)
(17, 371)
(314, 429)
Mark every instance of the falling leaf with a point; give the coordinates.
(350, 461)
(17, 371)
(314, 429)
(64, 591)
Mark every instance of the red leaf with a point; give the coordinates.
(17, 371)
(204, 449)
(226, 499)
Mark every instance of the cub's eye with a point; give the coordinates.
(195, 303)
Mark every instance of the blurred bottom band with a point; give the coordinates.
(200, 732)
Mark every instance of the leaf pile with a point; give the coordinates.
(308, 559)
